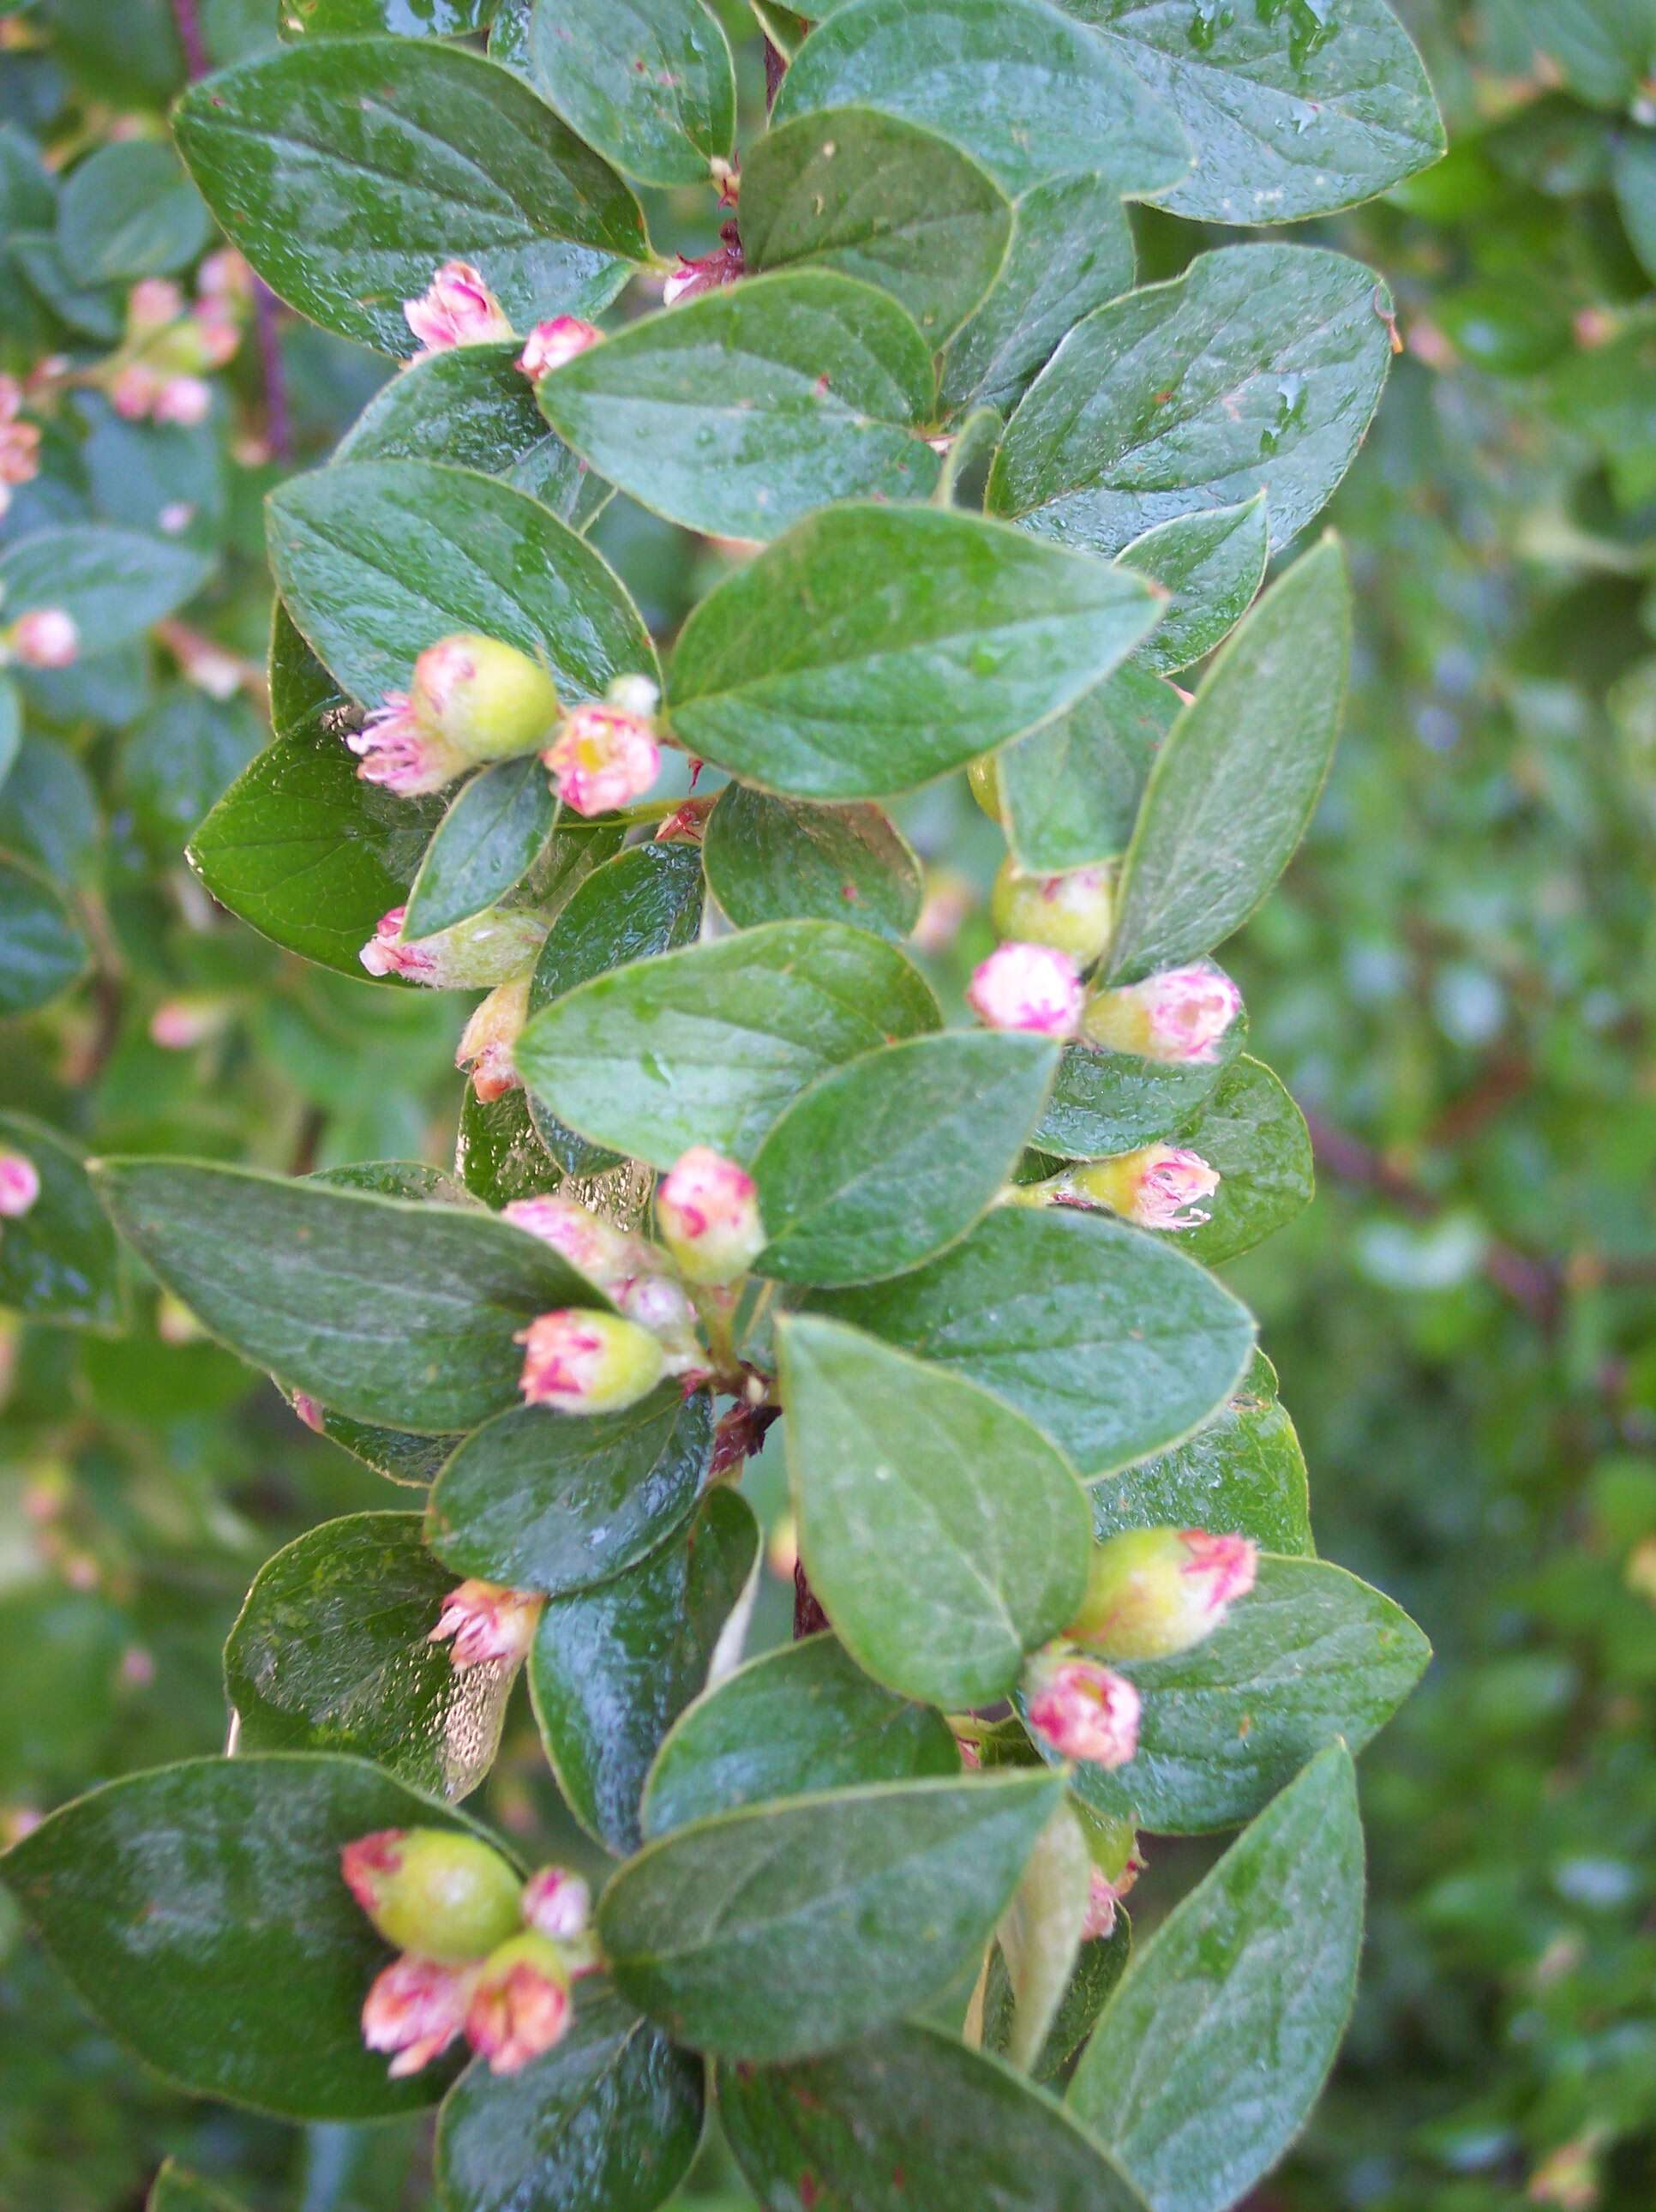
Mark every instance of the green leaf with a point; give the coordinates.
(397, 1454)
(710, 1044)
(1040, 1936)
(376, 560)
(875, 1897)
(1252, 1131)
(558, 1505)
(128, 210)
(167, 1897)
(1071, 250)
(1070, 791)
(795, 1720)
(42, 950)
(1311, 1656)
(111, 583)
(1234, 785)
(487, 842)
(409, 19)
(348, 169)
(1242, 1474)
(1029, 93)
(738, 411)
(912, 2118)
(771, 860)
(1634, 177)
(612, 2116)
(1110, 1341)
(1258, 369)
(1106, 1102)
(1213, 563)
(299, 847)
(498, 1155)
(649, 82)
(612, 1669)
(945, 1536)
(473, 408)
(885, 1161)
(175, 2189)
(1099, 1966)
(1261, 1957)
(391, 1309)
(58, 1261)
(874, 648)
(879, 199)
(332, 1652)
(1293, 111)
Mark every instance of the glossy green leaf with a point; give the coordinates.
(1099, 1966)
(709, 1045)
(168, 1897)
(1071, 250)
(612, 1668)
(912, 2118)
(399, 1455)
(945, 1537)
(558, 1504)
(1241, 1474)
(877, 1896)
(772, 860)
(58, 1261)
(612, 2116)
(332, 1652)
(1070, 791)
(649, 82)
(498, 1154)
(346, 170)
(473, 408)
(1031, 95)
(874, 648)
(879, 199)
(487, 842)
(737, 411)
(391, 1309)
(1292, 110)
(42, 950)
(797, 1720)
(1106, 1102)
(175, 2189)
(1234, 785)
(410, 19)
(112, 583)
(1213, 563)
(1251, 1130)
(1258, 369)
(888, 1159)
(1261, 1957)
(376, 560)
(1108, 1340)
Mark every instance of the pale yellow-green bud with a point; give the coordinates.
(1153, 1592)
(1074, 913)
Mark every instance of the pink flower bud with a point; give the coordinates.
(20, 441)
(216, 332)
(520, 2006)
(1073, 912)
(557, 1902)
(1082, 1710)
(179, 1025)
(416, 2008)
(134, 391)
(579, 1362)
(1104, 1896)
(602, 757)
(487, 1623)
(1157, 1187)
(309, 1411)
(401, 749)
(603, 1252)
(177, 515)
(490, 948)
(47, 638)
(433, 1891)
(660, 1305)
(489, 701)
(1151, 1592)
(1028, 987)
(457, 308)
(1179, 1016)
(151, 305)
(707, 1213)
(487, 1041)
(552, 343)
(225, 275)
(184, 400)
(20, 1184)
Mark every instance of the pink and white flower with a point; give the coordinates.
(1028, 987)
(521, 2005)
(707, 1213)
(45, 638)
(402, 749)
(20, 1184)
(485, 1622)
(1084, 1710)
(557, 1902)
(551, 343)
(1182, 1015)
(415, 2008)
(456, 309)
(602, 757)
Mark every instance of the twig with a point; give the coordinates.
(187, 17)
(776, 68)
(808, 1614)
(278, 417)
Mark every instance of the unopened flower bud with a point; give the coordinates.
(1181, 1015)
(490, 700)
(551, 343)
(225, 275)
(604, 1252)
(1027, 987)
(134, 391)
(520, 2006)
(1082, 1710)
(433, 1891)
(180, 1024)
(20, 441)
(215, 333)
(151, 305)
(1158, 1186)
(488, 1624)
(1151, 1592)
(416, 2008)
(604, 756)
(20, 1184)
(581, 1362)
(487, 1041)
(457, 308)
(983, 775)
(657, 1302)
(183, 400)
(707, 1214)
(490, 948)
(47, 638)
(557, 1902)
(1074, 912)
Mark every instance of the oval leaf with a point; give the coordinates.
(1071, 791)
(771, 860)
(493, 834)
(42, 950)
(1213, 563)
(1242, 1474)
(111, 583)
(1106, 1102)
(649, 82)
(474, 408)
(1251, 1130)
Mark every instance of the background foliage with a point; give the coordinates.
(1456, 979)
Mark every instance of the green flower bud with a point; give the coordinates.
(489, 701)
(983, 776)
(582, 1362)
(1073, 912)
(1151, 1592)
(433, 1891)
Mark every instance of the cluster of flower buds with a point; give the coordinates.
(470, 698)
(1157, 1187)
(481, 1953)
(158, 373)
(627, 1269)
(1153, 1592)
(457, 308)
(20, 1185)
(485, 1624)
(476, 955)
(606, 753)
(1030, 987)
(551, 343)
(1179, 1016)
(20, 441)
(45, 637)
(1073, 912)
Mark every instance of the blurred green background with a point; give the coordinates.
(1457, 981)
